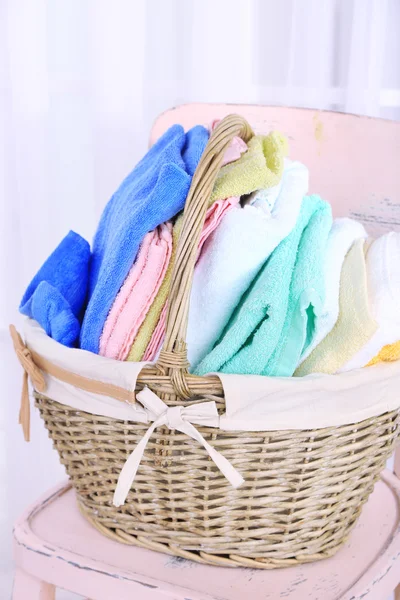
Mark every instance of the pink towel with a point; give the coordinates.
(214, 215)
(236, 148)
(137, 293)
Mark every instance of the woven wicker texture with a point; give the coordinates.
(303, 490)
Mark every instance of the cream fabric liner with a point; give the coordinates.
(253, 403)
(92, 366)
(256, 403)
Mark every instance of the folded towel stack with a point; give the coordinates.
(344, 232)
(214, 216)
(137, 293)
(355, 325)
(234, 255)
(279, 289)
(383, 274)
(259, 335)
(153, 193)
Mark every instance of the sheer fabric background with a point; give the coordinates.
(81, 82)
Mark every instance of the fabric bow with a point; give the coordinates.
(182, 419)
(35, 375)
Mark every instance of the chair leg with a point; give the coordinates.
(397, 593)
(27, 587)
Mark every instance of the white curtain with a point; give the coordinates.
(81, 82)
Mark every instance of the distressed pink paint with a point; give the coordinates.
(27, 587)
(353, 163)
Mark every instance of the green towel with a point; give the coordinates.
(306, 296)
(269, 310)
(260, 167)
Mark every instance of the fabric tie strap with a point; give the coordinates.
(180, 418)
(36, 377)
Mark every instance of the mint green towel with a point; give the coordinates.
(271, 325)
(306, 296)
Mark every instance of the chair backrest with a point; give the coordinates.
(353, 161)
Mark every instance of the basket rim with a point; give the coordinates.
(352, 396)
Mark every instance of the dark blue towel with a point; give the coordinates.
(154, 192)
(56, 295)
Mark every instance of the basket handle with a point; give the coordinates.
(173, 354)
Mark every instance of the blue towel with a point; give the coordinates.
(154, 192)
(56, 296)
(52, 311)
(255, 328)
(196, 139)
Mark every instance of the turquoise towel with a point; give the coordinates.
(306, 296)
(264, 313)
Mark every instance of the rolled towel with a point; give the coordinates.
(343, 234)
(56, 296)
(137, 294)
(383, 277)
(234, 255)
(153, 193)
(254, 330)
(355, 325)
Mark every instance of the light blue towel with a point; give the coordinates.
(56, 295)
(254, 331)
(154, 192)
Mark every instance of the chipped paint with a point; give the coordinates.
(177, 562)
(381, 216)
(377, 579)
(81, 567)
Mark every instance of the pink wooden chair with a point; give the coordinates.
(353, 163)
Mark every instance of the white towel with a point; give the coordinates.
(266, 199)
(234, 254)
(344, 232)
(383, 274)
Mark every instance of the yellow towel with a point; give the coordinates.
(355, 324)
(389, 353)
(261, 166)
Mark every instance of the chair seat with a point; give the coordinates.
(54, 543)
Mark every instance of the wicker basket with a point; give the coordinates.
(303, 489)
